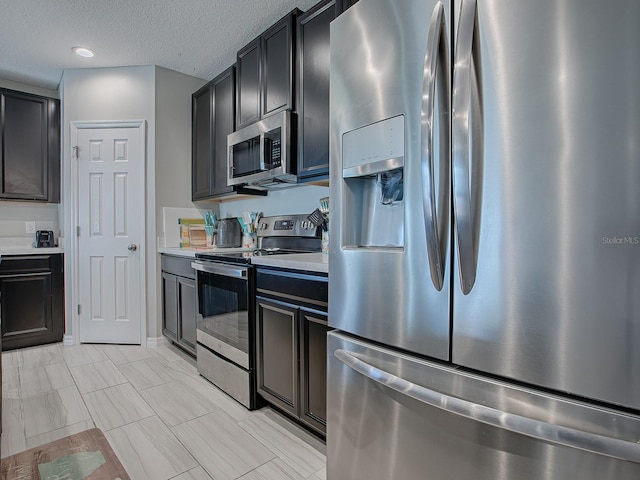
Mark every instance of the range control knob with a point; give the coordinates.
(263, 226)
(304, 224)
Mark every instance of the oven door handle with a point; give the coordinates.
(217, 269)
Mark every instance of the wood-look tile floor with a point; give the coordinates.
(162, 419)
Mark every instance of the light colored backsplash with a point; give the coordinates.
(14, 215)
(293, 200)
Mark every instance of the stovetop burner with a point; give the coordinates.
(245, 257)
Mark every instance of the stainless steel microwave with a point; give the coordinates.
(262, 152)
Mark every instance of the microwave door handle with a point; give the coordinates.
(436, 70)
(262, 147)
(537, 429)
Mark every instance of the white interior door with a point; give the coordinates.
(110, 166)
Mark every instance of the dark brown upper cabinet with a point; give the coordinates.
(30, 147)
(265, 79)
(312, 85)
(213, 110)
(201, 152)
(248, 84)
(345, 4)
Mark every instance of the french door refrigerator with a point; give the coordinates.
(485, 240)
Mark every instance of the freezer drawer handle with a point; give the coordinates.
(569, 437)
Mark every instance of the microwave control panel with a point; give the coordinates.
(273, 152)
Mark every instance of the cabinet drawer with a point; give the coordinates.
(19, 264)
(305, 289)
(177, 265)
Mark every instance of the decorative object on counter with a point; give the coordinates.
(185, 231)
(197, 236)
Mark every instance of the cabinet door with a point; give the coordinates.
(24, 144)
(313, 89)
(277, 61)
(277, 352)
(170, 306)
(248, 84)
(31, 301)
(187, 313)
(201, 153)
(223, 124)
(313, 369)
(345, 4)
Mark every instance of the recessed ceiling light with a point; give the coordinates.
(83, 52)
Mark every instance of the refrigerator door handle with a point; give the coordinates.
(462, 136)
(557, 434)
(437, 51)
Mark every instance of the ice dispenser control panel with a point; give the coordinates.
(373, 175)
(375, 148)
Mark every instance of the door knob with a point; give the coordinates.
(133, 247)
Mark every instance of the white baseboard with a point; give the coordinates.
(67, 340)
(156, 341)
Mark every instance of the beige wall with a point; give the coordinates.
(173, 161)
(160, 97)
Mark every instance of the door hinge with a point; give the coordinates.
(75, 151)
(78, 231)
(78, 309)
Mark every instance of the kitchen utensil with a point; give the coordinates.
(243, 225)
(246, 217)
(256, 221)
(324, 205)
(318, 219)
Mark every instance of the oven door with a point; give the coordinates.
(223, 307)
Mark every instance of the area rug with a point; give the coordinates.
(84, 456)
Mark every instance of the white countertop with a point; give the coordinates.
(191, 252)
(6, 251)
(312, 262)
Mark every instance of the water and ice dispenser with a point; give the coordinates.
(373, 193)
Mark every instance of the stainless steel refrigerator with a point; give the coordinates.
(485, 240)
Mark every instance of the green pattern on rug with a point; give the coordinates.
(75, 466)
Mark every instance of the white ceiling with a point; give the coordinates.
(195, 37)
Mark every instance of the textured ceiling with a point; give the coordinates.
(196, 37)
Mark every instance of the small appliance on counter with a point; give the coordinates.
(44, 239)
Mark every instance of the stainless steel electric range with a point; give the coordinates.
(226, 304)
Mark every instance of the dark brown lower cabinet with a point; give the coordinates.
(179, 310)
(291, 345)
(277, 341)
(31, 299)
(313, 366)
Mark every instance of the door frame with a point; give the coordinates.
(73, 220)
